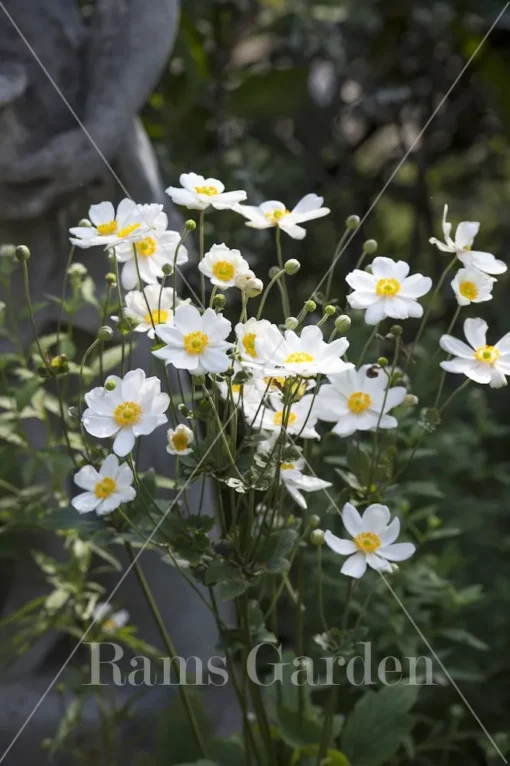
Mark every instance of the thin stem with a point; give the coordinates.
(202, 249)
(64, 290)
(283, 283)
(366, 346)
(266, 292)
(331, 273)
(26, 284)
(319, 588)
(454, 394)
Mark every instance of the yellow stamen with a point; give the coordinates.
(210, 191)
(487, 354)
(224, 271)
(359, 402)
(109, 624)
(146, 247)
(105, 487)
(299, 357)
(367, 542)
(158, 316)
(127, 230)
(195, 342)
(467, 247)
(277, 383)
(180, 441)
(274, 216)
(468, 290)
(249, 344)
(287, 466)
(236, 388)
(107, 228)
(387, 287)
(127, 414)
(278, 418)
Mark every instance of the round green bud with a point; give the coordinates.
(291, 323)
(314, 521)
(219, 301)
(310, 306)
(22, 253)
(85, 223)
(382, 362)
(253, 287)
(396, 329)
(190, 225)
(59, 363)
(317, 537)
(370, 246)
(342, 323)
(352, 222)
(292, 266)
(110, 385)
(111, 279)
(73, 412)
(105, 332)
(167, 269)
(184, 410)
(410, 400)
(329, 310)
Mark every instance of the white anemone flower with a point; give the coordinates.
(160, 304)
(223, 266)
(301, 417)
(274, 213)
(109, 227)
(106, 489)
(196, 342)
(199, 193)
(373, 542)
(155, 249)
(134, 406)
(306, 355)
(296, 482)
(472, 286)
(356, 402)
(180, 440)
(387, 291)
(110, 621)
(462, 246)
(478, 361)
(250, 335)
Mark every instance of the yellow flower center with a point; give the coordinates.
(109, 624)
(468, 290)
(107, 228)
(196, 342)
(367, 542)
(467, 247)
(487, 354)
(277, 383)
(236, 388)
(146, 247)
(359, 402)
(127, 414)
(105, 487)
(287, 466)
(210, 191)
(249, 344)
(274, 216)
(299, 357)
(127, 230)
(224, 271)
(180, 441)
(158, 316)
(278, 418)
(387, 287)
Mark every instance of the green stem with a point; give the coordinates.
(202, 249)
(63, 297)
(429, 306)
(266, 292)
(336, 258)
(454, 394)
(366, 346)
(283, 283)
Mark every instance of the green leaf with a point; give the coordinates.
(232, 589)
(333, 757)
(275, 550)
(297, 730)
(379, 721)
(25, 393)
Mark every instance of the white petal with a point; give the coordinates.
(109, 467)
(390, 534)
(456, 347)
(375, 518)
(503, 345)
(129, 277)
(352, 520)
(292, 229)
(86, 478)
(480, 373)
(465, 234)
(377, 563)
(355, 566)
(457, 365)
(487, 263)
(104, 212)
(498, 378)
(85, 502)
(387, 268)
(376, 312)
(108, 505)
(415, 286)
(475, 330)
(398, 551)
(124, 442)
(99, 426)
(343, 547)
(132, 385)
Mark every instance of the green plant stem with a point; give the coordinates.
(201, 237)
(336, 258)
(26, 284)
(300, 623)
(366, 346)
(174, 271)
(121, 312)
(183, 693)
(319, 589)
(266, 292)
(283, 283)
(454, 394)
(222, 432)
(63, 296)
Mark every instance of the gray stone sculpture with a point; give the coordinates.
(70, 91)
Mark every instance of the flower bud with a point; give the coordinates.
(73, 412)
(242, 278)
(273, 272)
(7, 251)
(382, 362)
(395, 568)
(292, 266)
(410, 400)
(370, 246)
(85, 223)
(253, 287)
(167, 269)
(317, 538)
(396, 329)
(310, 306)
(105, 332)
(190, 225)
(342, 323)
(329, 310)
(291, 323)
(77, 270)
(184, 410)
(352, 222)
(219, 301)
(314, 521)
(22, 253)
(60, 364)
(111, 279)
(110, 385)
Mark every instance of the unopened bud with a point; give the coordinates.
(382, 362)
(111, 255)
(77, 270)
(352, 222)
(184, 410)
(190, 225)
(273, 272)
(219, 301)
(395, 568)
(329, 310)
(59, 363)
(410, 400)
(342, 323)
(241, 279)
(370, 246)
(314, 521)
(73, 412)
(22, 253)
(111, 279)
(104, 332)
(253, 287)
(110, 385)
(317, 538)
(85, 223)
(167, 269)
(310, 306)
(291, 323)
(292, 266)
(396, 329)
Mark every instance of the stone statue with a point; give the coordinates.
(71, 86)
